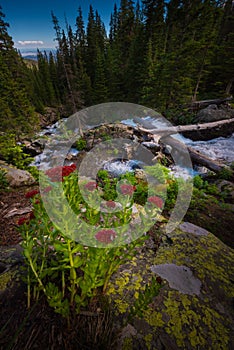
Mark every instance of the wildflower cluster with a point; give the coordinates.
(157, 201)
(105, 236)
(127, 189)
(65, 264)
(58, 173)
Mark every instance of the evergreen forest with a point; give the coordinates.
(161, 54)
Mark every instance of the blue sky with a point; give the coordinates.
(31, 20)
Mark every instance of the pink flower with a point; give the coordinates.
(111, 204)
(157, 201)
(127, 189)
(91, 186)
(31, 194)
(105, 236)
(31, 215)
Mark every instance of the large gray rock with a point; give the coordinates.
(194, 307)
(17, 177)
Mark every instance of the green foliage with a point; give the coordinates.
(81, 144)
(226, 174)
(3, 180)
(13, 153)
(158, 171)
(204, 186)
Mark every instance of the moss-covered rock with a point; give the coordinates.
(176, 317)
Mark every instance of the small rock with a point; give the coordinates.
(180, 278)
(194, 229)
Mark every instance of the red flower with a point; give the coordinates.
(22, 221)
(91, 186)
(157, 201)
(127, 189)
(105, 236)
(31, 194)
(111, 204)
(58, 173)
(31, 215)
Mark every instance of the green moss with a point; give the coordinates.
(190, 248)
(148, 340)
(127, 344)
(5, 279)
(153, 318)
(192, 322)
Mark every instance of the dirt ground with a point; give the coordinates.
(11, 201)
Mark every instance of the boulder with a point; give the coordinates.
(193, 309)
(17, 177)
(212, 113)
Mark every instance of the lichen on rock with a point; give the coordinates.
(174, 319)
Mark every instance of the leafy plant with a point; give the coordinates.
(3, 180)
(68, 273)
(226, 174)
(81, 144)
(12, 152)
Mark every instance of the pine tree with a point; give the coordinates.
(100, 92)
(154, 12)
(136, 61)
(16, 111)
(91, 45)
(80, 37)
(221, 74)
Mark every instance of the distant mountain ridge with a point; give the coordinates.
(31, 54)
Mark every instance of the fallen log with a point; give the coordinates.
(180, 150)
(170, 130)
(206, 103)
(211, 164)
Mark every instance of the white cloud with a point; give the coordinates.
(31, 42)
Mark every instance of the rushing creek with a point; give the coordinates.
(221, 149)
